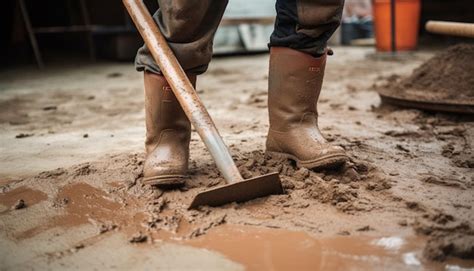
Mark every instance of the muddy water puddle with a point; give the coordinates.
(81, 203)
(276, 249)
(256, 248)
(28, 196)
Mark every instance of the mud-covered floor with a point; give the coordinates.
(71, 151)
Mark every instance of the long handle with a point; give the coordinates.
(451, 28)
(183, 89)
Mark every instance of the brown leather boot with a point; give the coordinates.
(168, 132)
(295, 81)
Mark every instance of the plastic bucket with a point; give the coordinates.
(407, 20)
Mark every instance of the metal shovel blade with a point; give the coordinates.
(257, 187)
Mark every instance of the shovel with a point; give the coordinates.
(236, 189)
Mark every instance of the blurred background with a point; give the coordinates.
(37, 32)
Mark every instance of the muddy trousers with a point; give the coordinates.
(189, 27)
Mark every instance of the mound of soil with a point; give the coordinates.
(447, 77)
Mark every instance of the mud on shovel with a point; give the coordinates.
(237, 189)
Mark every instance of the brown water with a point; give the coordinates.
(28, 195)
(256, 248)
(84, 204)
(276, 249)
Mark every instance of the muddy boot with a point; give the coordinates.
(295, 81)
(168, 132)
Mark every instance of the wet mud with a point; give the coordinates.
(81, 203)
(410, 174)
(446, 236)
(148, 215)
(254, 234)
(19, 198)
(348, 189)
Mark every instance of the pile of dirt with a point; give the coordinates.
(447, 77)
(351, 189)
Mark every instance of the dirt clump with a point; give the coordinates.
(20, 204)
(445, 77)
(23, 135)
(450, 182)
(138, 238)
(447, 236)
(340, 187)
(456, 245)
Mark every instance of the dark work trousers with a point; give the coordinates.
(189, 27)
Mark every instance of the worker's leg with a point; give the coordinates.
(297, 61)
(306, 25)
(189, 27)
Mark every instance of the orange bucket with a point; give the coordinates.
(407, 20)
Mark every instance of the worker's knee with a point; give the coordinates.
(317, 13)
(187, 20)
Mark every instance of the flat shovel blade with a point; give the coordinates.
(257, 187)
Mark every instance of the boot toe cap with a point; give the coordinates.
(163, 173)
(325, 157)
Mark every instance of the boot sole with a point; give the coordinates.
(328, 161)
(165, 181)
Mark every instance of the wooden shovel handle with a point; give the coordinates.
(451, 28)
